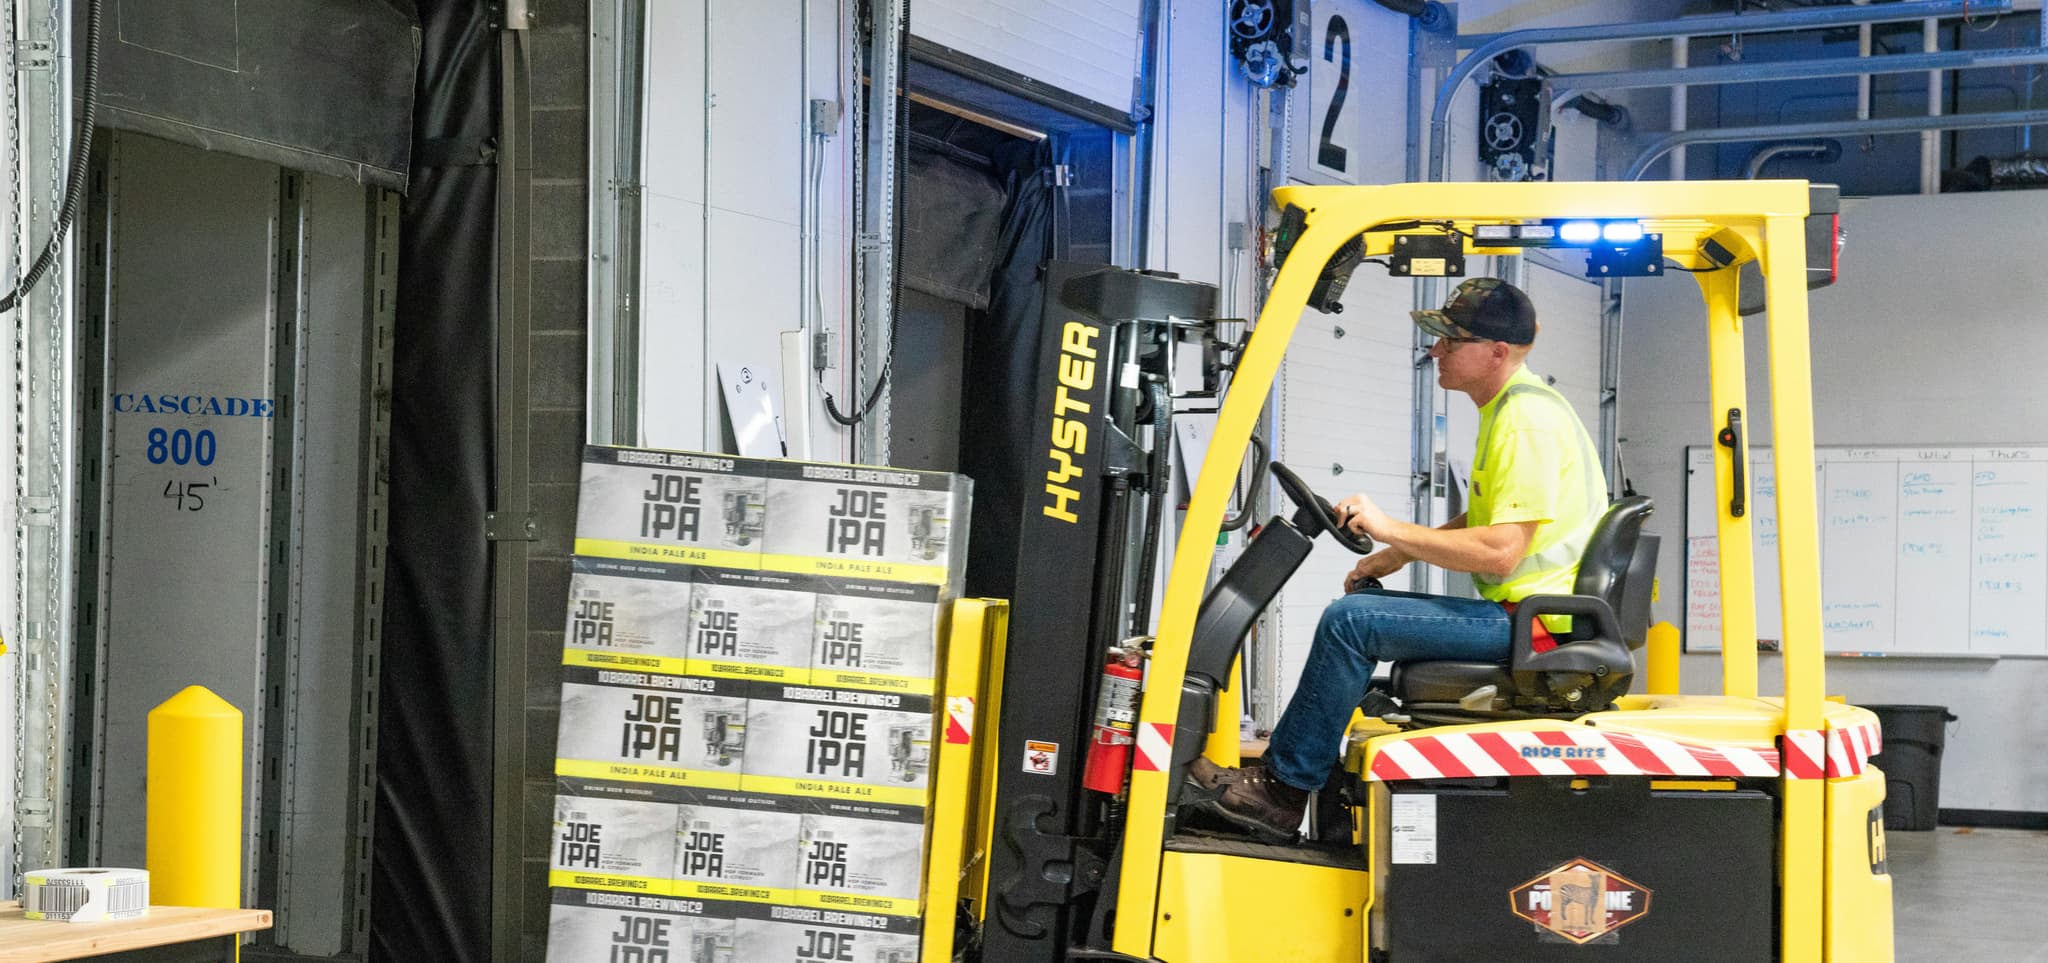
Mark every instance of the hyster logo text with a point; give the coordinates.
(1070, 435)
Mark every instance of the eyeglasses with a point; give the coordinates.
(1449, 343)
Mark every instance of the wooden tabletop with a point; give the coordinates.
(23, 940)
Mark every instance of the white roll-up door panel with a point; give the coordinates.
(1084, 47)
(1568, 342)
(1346, 408)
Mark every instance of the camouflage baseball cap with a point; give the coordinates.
(1488, 308)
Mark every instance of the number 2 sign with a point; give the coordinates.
(1330, 155)
(1348, 116)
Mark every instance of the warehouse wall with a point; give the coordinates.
(1910, 347)
(558, 259)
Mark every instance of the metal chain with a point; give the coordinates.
(20, 680)
(54, 388)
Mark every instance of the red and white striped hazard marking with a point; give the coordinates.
(1570, 751)
(1850, 748)
(1155, 747)
(1805, 754)
(959, 719)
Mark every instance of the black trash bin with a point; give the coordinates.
(1911, 762)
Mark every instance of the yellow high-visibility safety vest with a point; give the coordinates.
(1535, 462)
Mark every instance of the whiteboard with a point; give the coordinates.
(1923, 551)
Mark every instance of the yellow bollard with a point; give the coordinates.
(195, 801)
(1660, 659)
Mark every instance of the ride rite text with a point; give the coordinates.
(673, 505)
(857, 522)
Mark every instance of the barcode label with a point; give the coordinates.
(128, 897)
(62, 900)
(57, 902)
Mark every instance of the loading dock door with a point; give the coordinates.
(224, 426)
(316, 85)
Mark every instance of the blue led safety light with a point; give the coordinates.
(1621, 232)
(1578, 232)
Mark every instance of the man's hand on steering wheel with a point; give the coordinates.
(1360, 515)
(1313, 514)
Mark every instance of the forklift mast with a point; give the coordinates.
(1099, 362)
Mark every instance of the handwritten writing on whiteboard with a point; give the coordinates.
(2008, 551)
(1922, 550)
(1859, 535)
(1702, 593)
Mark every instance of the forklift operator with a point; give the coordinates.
(1537, 492)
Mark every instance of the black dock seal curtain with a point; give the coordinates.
(1002, 363)
(434, 724)
(323, 86)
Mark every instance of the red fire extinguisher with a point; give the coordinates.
(1116, 718)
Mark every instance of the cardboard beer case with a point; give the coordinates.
(736, 846)
(862, 857)
(838, 744)
(628, 615)
(671, 506)
(876, 635)
(599, 927)
(750, 625)
(859, 521)
(646, 727)
(804, 934)
(615, 836)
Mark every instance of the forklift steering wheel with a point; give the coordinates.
(1313, 513)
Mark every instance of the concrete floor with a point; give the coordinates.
(1969, 894)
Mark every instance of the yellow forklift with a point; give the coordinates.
(1538, 809)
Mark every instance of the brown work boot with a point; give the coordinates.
(1256, 800)
(1208, 776)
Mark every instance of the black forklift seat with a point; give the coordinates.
(1592, 664)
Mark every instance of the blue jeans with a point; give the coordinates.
(1357, 631)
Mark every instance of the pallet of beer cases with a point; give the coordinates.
(746, 717)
